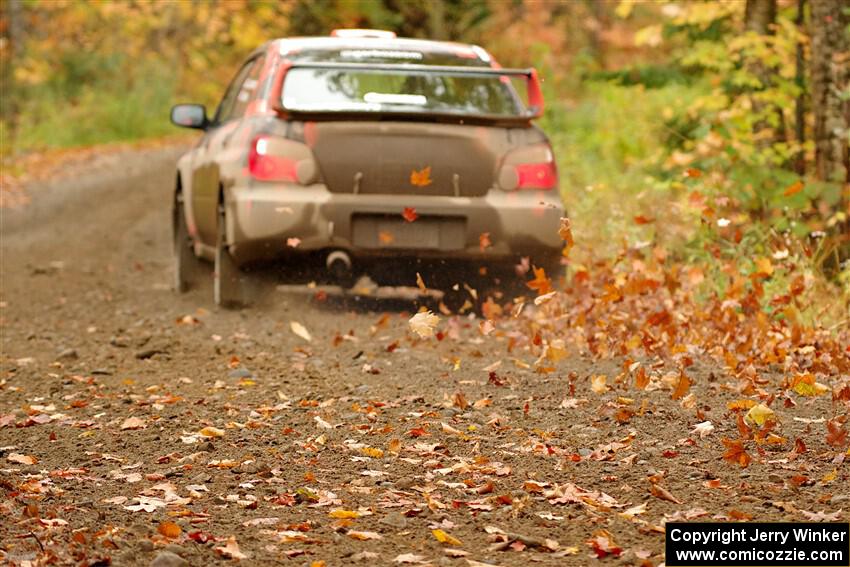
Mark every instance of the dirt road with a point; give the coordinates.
(139, 426)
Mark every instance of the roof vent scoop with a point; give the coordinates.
(360, 33)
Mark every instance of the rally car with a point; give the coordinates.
(376, 154)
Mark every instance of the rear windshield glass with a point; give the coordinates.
(409, 92)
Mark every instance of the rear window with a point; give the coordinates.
(358, 90)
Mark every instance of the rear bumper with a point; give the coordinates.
(261, 219)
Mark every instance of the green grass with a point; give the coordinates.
(609, 146)
(107, 111)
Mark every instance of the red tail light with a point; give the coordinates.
(529, 167)
(536, 175)
(265, 166)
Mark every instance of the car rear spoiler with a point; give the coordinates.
(535, 93)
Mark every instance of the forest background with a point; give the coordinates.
(713, 132)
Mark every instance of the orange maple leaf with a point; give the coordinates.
(484, 241)
(409, 214)
(541, 283)
(735, 453)
(836, 434)
(682, 387)
(421, 177)
(641, 378)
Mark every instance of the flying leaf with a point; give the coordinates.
(423, 323)
(736, 453)
(421, 177)
(793, 189)
(541, 283)
(597, 383)
(300, 330)
(484, 241)
(566, 234)
(682, 387)
(703, 429)
(420, 283)
(805, 385)
(836, 434)
(764, 267)
(759, 414)
(409, 214)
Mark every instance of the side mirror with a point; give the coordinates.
(190, 116)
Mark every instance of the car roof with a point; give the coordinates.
(424, 46)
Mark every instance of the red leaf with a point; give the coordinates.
(409, 214)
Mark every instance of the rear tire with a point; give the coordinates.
(227, 284)
(187, 266)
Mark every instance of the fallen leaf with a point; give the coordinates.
(822, 516)
(169, 530)
(341, 514)
(409, 558)
(660, 492)
(212, 432)
(443, 537)
(231, 549)
(21, 459)
(133, 423)
(363, 536)
(603, 544)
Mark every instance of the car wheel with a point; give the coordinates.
(187, 266)
(227, 284)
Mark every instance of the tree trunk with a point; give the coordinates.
(800, 103)
(437, 20)
(760, 18)
(830, 72)
(9, 101)
(760, 15)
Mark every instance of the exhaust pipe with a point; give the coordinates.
(338, 264)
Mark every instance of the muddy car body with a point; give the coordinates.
(368, 151)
